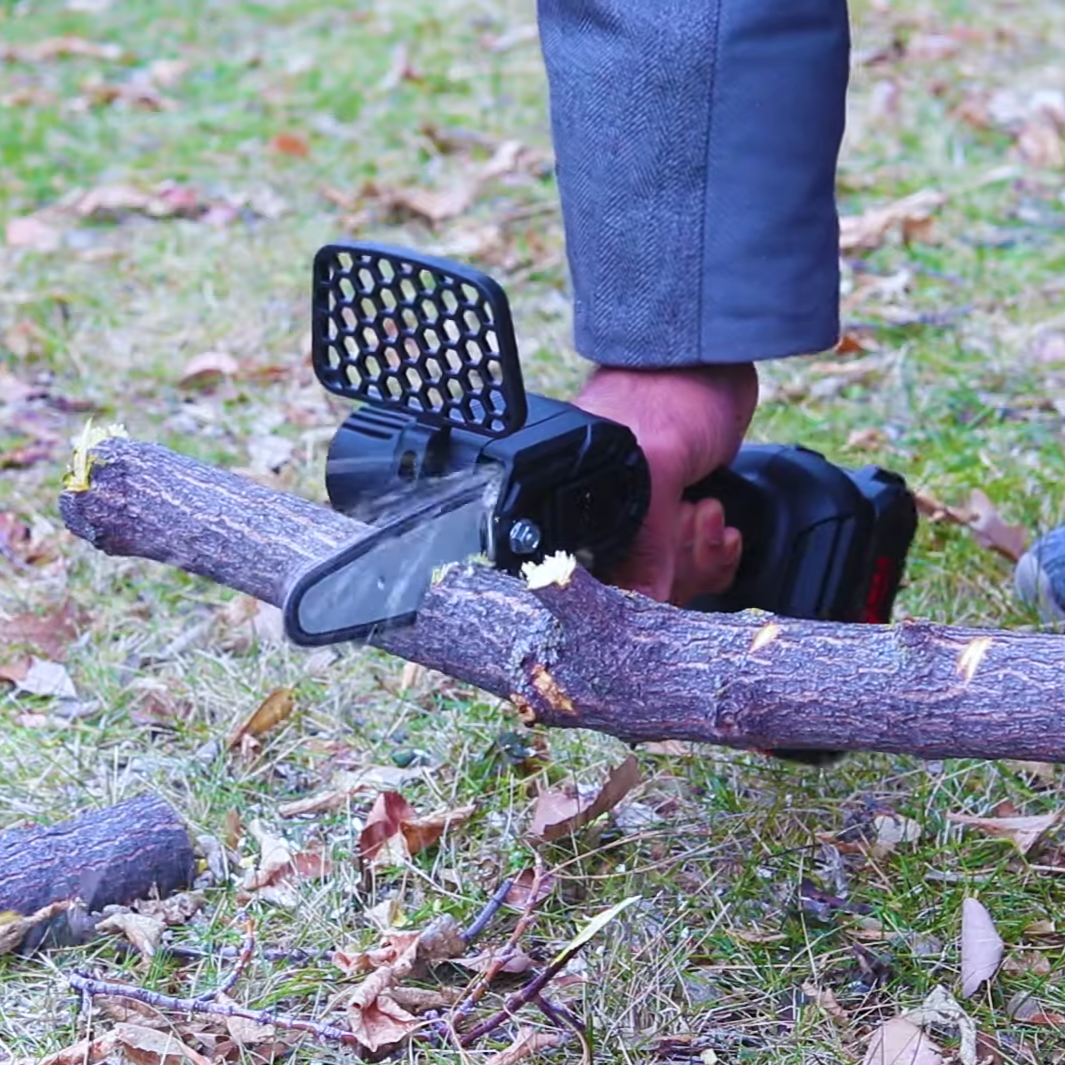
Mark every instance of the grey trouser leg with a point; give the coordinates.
(696, 143)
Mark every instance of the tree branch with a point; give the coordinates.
(590, 656)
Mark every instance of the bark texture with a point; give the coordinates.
(590, 656)
(133, 850)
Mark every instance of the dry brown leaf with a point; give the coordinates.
(33, 233)
(825, 998)
(208, 368)
(559, 813)
(275, 709)
(520, 895)
(900, 1042)
(38, 676)
(1027, 962)
(1023, 832)
(60, 48)
(143, 932)
(48, 634)
(85, 1052)
(527, 1042)
(669, 748)
(14, 926)
(992, 531)
(1040, 144)
(907, 216)
(348, 784)
(981, 947)
(870, 439)
(374, 1016)
(394, 831)
(893, 829)
(243, 1030)
(290, 144)
(434, 205)
(153, 1046)
(487, 961)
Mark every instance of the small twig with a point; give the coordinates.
(529, 993)
(247, 949)
(501, 959)
(90, 986)
(491, 908)
(564, 1018)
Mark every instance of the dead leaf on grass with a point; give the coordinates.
(826, 999)
(49, 634)
(527, 1042)
(208, 368)
(1027, 963)
(981, 947)
(869, 439)
(153, 1046)
(1023, 832)
(38, 676)
(291, 144)
(374, 1016)
(900, 1042)
(32, 233)
(992, 531)
(144, 932)
(893, 829)
(84, 1052)
(349, 783)
(558, 812)
(521, 893)
(14, 926)
(910, 217)
(275, 709)
(278, 866)
(63, 47)
(394, 831)
(1026, 1008)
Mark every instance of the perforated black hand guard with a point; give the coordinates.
(431, 337)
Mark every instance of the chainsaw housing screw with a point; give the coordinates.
(524, 537)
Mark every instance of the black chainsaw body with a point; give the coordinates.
(428, 349)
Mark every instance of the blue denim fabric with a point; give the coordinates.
(696, 145)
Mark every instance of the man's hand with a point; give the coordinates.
(689, 422)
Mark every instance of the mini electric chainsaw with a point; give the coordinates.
(446, 456)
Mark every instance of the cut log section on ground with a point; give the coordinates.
(586, 655)
(137, 849)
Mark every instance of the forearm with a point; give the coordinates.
(696, 147)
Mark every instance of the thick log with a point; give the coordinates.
(136, 849)
(590, 656)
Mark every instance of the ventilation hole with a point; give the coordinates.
(347, 289)
(367, 282)
(428, 310)
(386, 297)
(434, 369)
(455, 389)
(474, 351)
(333, 358)
(449, 300)
(408, 318)
(395, 389)
(373, 367)
(431, 340)
(351, 347)
(414, 379)
(367, 308)
(471, 296)
(385, 270)
(427, 281)
(352, 374)
(472, 322)
(435, 397)
(495, 372)
(345, 261)
(370, 338)
(451, 330)
(408, 290)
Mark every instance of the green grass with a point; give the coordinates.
(716, 953)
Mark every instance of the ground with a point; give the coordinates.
(168, 172)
